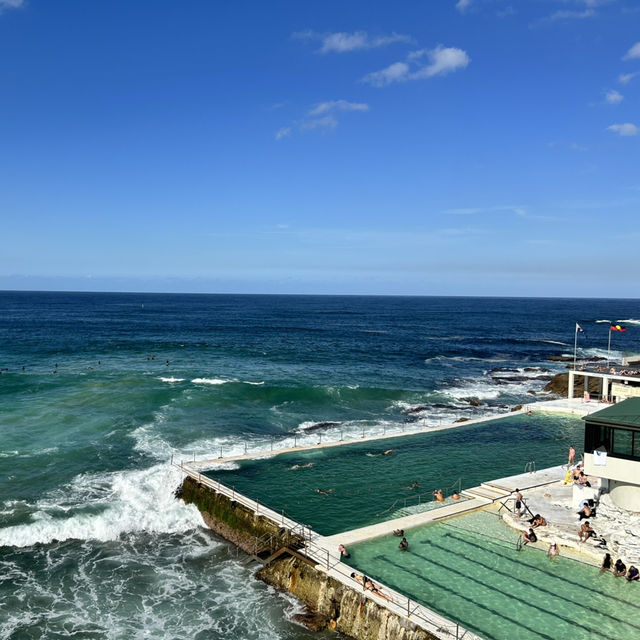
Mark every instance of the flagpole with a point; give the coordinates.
(575, 346)
(609, 346)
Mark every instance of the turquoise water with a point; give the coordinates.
(360, 486)
(98, 391)
(468, 569)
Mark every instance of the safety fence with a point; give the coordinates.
(313, 549)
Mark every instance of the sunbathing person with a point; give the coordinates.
(370, 585)
(585, 511)
(619, 568)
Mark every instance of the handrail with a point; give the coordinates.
(419, 496)
(530, 467)
(322, 556)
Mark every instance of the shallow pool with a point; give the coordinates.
(470, 570)
(355, 485)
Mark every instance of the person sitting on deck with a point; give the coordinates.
(530, 536)
(404, 545)
(587, 509)
(585, 532)
(619, 568)
(582, 480)
(633, 574)
(455, 496)
(398, 532)
(606, 563)
(438, 495)
(537, 521)
(343, 552)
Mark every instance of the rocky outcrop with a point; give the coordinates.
(337, 606)
(559, 385)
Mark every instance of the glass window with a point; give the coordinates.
(622, 442)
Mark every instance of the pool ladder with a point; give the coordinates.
(530, 467)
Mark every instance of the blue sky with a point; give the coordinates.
(428, 147)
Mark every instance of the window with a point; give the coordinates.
(622, 442)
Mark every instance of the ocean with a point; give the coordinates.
(99, 391)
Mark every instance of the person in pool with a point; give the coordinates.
(553, 552)
(438, 495)
(404, 545)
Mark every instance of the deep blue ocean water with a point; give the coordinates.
(98, 391)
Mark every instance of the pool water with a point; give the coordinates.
(469, 569)
(355, 485)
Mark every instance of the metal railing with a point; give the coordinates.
(422, 498)
(530, 467)
(400, 604)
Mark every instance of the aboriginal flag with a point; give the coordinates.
(617, 327)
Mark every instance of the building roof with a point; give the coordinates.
(623, 414)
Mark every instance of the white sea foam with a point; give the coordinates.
(562, 344)
(170, 379)
(129, 501)
(447, 359)
(598, 321)
(212, 381)
(628, 321)
(257, 384)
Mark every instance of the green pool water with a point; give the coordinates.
(469, 569)
(359, 486)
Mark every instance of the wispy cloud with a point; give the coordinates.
(574, 146)
(321, 116)
(470, 211)
(285, 132)
(442, 60)
(625, 78)
(343, 42)
(10, 4)
(338, 105)
(613, 97)
(463, 5)
(626, 129)
(633, 53)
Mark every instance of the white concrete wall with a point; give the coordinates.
(621, 391)
(626, 496)
(616, 469)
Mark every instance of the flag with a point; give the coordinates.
(579, 328)
(617, 327)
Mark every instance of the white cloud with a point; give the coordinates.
(285, 132)
(396, 72)
(625, 78)
(442, 60)
(625, 129)
(321, 116)
(342, 42)
(613, 97)
(633, 53)
(463, 5)
(574, 146)
(338, 105)
(327, 122)
(570, 15)
(10, 4)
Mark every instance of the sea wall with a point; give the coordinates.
(337, 606)
(331, 604)
(235, 522)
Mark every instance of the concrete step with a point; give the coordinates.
(503, 491)
(481, 492)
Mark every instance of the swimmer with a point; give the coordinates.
(413, 485)
(553, 552)
(398, 532)
(438, 495)
(303, 466)
(325, 493)
(343, 551)
(404, 545)
(455, 496)
(388, 452)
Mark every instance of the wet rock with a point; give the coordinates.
(313, 621)
(474, 402)
(320, 425)
(462, 420)
(517, 407)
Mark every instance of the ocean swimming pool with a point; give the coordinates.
(470, 570)
(355, 485)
